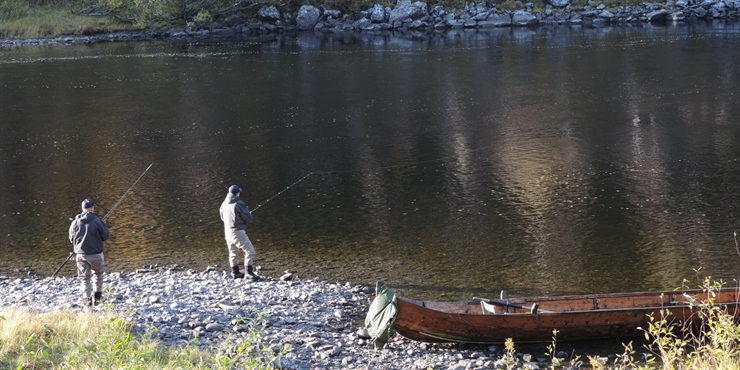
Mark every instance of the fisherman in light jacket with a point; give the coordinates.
(236, 216)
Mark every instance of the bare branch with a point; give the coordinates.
(236, 8)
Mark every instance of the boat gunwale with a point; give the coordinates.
(527, 300)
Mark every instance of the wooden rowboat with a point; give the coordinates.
(575, 317)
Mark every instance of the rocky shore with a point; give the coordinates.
(418, 18)
(308, 324)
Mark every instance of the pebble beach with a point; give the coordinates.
(307, 324)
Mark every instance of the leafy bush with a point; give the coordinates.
(715, 345)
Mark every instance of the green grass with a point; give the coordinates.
(90, 340)
(47, 21)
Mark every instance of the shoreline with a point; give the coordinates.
(189, 36)
(417, 20)
(322, 322)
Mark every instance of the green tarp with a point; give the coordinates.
(381, 316)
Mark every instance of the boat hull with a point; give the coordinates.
(574, 317)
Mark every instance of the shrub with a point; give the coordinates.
(713, 345)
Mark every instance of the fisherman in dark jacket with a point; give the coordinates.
(87, 233)
(236, 216)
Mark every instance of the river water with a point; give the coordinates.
(550, 161)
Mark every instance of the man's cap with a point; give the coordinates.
(87, 203)
(233, 189)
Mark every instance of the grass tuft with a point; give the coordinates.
(93, 340)
(38, 22)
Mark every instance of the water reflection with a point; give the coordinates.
(541, 162)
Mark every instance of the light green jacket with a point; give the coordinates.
(381, 316)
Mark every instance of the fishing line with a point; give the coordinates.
(351, 171)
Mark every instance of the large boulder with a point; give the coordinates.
(405, 9)
(307, 17)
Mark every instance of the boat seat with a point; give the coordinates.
(535, 307)
(488, 308)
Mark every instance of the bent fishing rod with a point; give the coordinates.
(71, 254)
(280, 192)
(126, 193)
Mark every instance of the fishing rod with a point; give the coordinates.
(281, 191)
(126, 193)
(72, 254)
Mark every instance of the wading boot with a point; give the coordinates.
(98, 298)
(235, 273)
(250, 272)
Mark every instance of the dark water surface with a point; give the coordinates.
(542, 162)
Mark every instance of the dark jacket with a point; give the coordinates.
(235, 213)
(87, 233)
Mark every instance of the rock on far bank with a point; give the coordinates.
(320, 321)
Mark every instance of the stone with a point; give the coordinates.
(405, 9)
(496, 20)
(333, 13)
(658, 16)
(307, 17)
(378, 14)
(523, 18)
(678, 16)
(214, 327)
(559, 3)
(268, 13)
(607, 15)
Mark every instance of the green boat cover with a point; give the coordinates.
(382, 315)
